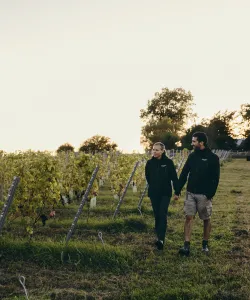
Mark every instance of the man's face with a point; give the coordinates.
(196, 144)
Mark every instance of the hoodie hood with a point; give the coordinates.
(203, 153)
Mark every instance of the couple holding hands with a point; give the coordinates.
(201, 170)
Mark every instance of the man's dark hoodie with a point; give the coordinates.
(203, 171)
(159, 174)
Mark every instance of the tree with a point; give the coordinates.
(186, 139)
(97, 143)
(155, 131)
(245, 113)
(65, 147)
(220, 130)
(246, 144)
(166, 116)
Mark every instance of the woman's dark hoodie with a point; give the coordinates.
(159, 174)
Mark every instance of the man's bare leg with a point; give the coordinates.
(188, 228)
(206, 229)
(187, 234)
(206, 235)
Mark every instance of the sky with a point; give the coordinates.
(73, 69)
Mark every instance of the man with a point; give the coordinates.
(203, 171)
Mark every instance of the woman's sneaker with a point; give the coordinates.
(159, 244)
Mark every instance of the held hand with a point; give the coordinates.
(176, 197)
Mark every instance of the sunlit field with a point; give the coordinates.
(115, 258)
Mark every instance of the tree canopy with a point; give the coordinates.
(187, 137)
(97, 143)
(155, 131)
(245, 113)
(218, 129)
(166, 116)
(65, 147)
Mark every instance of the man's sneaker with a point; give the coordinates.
(205, 247)
(205, 250)
(159, 244)
(184, 251)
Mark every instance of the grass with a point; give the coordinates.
(83, 256)
(127, 266)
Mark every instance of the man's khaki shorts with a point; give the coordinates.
(200, 203)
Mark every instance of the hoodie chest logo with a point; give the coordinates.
(163, 166)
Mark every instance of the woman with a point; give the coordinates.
(160, 173)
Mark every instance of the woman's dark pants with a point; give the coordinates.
(160, 207)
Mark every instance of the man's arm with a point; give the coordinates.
(214, 178)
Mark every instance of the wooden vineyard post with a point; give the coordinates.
(125, 190)
(6, 206)
(141, 198)
(71, 230)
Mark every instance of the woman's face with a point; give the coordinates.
(157, 151)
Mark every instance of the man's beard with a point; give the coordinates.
(197, 148)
